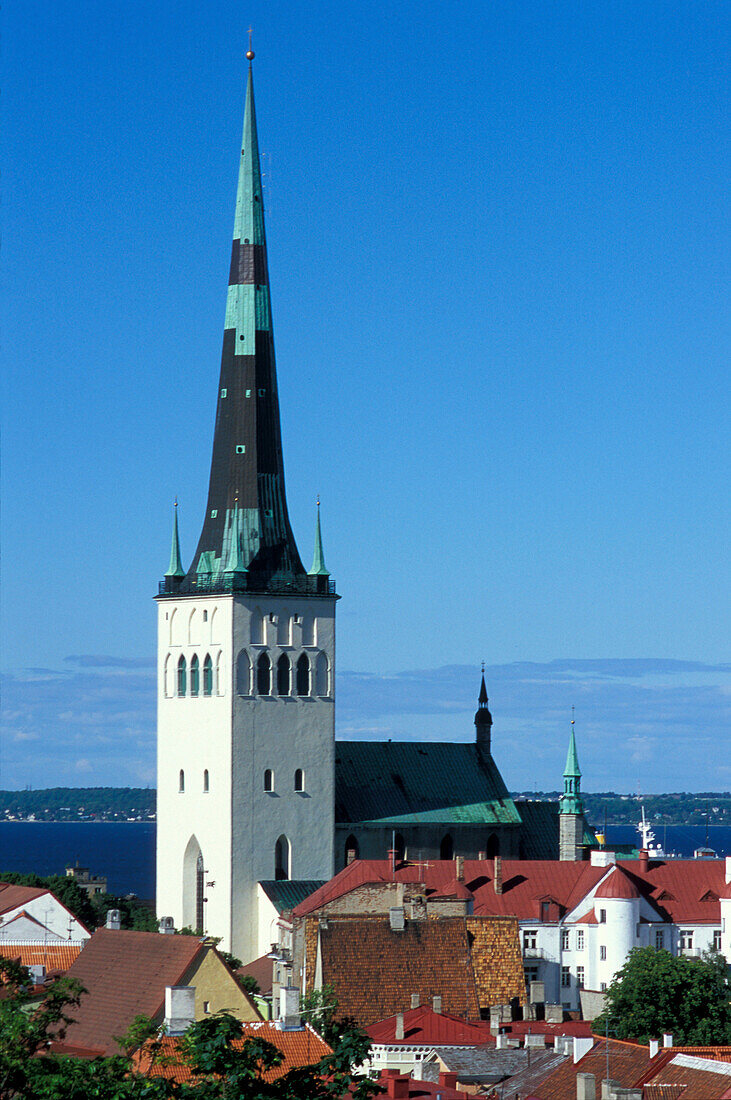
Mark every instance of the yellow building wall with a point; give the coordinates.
(216, 985)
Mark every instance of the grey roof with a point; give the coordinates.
(489, 1065)
(424, 782)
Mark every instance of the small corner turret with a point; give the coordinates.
(483, 719)
(175, 571)
(571, 805)
(319, 569)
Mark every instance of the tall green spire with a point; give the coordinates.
(319, 568)
(571, 801)
(175, 569)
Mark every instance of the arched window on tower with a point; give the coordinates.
(303, 675)
(399, 848)
(322, 675)
(194, 675)
(446, 848)
(493, 846)
(206, 786)
(182, 677)
(352, 849)
(243, 673)
(199, 895)
(284, 675)
(282, 858)
(269, 781)
(263, 675)
(299, 781)
(208, 675)
(181, 782)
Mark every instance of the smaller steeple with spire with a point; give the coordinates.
(175, 570)
(319, 569)
(571, 805)
(483, 718)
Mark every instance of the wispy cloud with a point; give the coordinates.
(657, 724)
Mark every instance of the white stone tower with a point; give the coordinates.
(246, 645)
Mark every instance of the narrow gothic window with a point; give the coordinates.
(446, 848)
(199, 896)
(399, 848)
(284, 628)
(182, 679)
(208, 675)
(264, 674)
(181, 781)
(282, 857)
(303, 675)
(268, 780)
(283, 675)
(352, 849)
(322, 669)
(194, 675)
(243, 673)
(299, 780)
(493, 846)
(205, 781)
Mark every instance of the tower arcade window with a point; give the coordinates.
(282, 858)
(181, 782)
(269, 781)
(194, 675)
(284, 675)
(303, 675)
(208, 675)
(322, 675)
(263, 674)
(446, 848)
(182, 677)
(299, 781)
(206, 787)
(243, 673)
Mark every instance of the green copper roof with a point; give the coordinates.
(285, 894)
(571, 801)
(406, 782)
(319, 568)
(572, 760)
(175, 569)
(234, 557)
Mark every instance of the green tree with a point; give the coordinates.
(63, 887)
(134, 913)
(655, 992)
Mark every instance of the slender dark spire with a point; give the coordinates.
(319, 569)
(483, 718)
(175, 570)
(246, 519)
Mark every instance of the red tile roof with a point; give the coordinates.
(627, 1063)
(403, 1086)
(423, 1026)
(617, 884)
(12, 896)
(675, 887)
(698, 1077)
(54, 956)
(454, 889)
(303, 1047)
(582, 1028)
(125, 974)
(261, 971)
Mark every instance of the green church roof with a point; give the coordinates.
(285, 894)
(572, 760)
(406, 782)
(319, 569)
(175, 569)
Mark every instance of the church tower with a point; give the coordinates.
(246, 644)
(571, 807)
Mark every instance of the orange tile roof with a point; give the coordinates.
(627, 1063)
(497, 959)
(303, 1047)
(700, 1082)
(54, 956)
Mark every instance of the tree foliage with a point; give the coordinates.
(63, 887)
(656, 992)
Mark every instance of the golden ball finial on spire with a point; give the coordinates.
(250, 53)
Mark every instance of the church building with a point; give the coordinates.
(251, 784)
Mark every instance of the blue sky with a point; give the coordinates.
(498, 243)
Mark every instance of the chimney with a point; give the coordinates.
(644, 861)
(482, 855)
(114, 920)
(667, 1039)
(396, 918)
(448, 1080)
(585, 1086)
(498, 875)
(415, 1000)
(166, 926)
(654, 1047)
(399, 1036)
(459, 868)
(179, 1008)
(350, 855)
(290, 1018)
(397, 1086)
(436, 1004)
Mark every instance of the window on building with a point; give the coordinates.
(686, 939)
(284, 628)
(530, 939)
(602, 952)
(181, 781)
(208, 675)
(446, 848)
(564, 939)
(194, 675)
(182, 677)
(352, 849)
(717, 939)
(199, 895)
(205, 781)
(308, 630)
(263, 674)
(243, 673)
(206, 1007)
(282, 857)
(299, 780)
(565, 977)
(580, 977)
(602, 916)
(399, 852)
(303, 675)
(579, 939)
(256, 627)
(218, 676)
(603, 987)
(268, 780)
(659, 939)
(493, 846)
(284, 675)
(322, 675)
(531, 975)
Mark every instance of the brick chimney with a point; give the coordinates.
(459, 868)
(397, 1086)
(498, 880)
(448, 1080)
(644, 861)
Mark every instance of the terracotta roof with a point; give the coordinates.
(519, 1028)
(261, 971)
(374, 969)
(662, 1092)
(12, 896)
(627, 1063)
(125, 974)
(402, 1085)
(424, 1027)
(303, 1047)
(675, 887)
(22, 914)
(454, 889)
(497, 959)
(699, 1076)
(618, 884)
(54, 956)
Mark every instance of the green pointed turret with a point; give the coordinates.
(571, 801)
(175, 569)
(319, 569)
(234, 558)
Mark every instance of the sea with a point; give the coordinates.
(125, 851)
